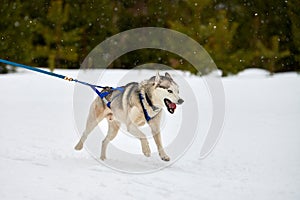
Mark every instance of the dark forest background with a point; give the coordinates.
(238, 34)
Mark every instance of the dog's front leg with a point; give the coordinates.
(155, 128)
(161, 151)
(160, 148)
(135, 131)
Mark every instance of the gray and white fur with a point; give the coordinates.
(126, 107)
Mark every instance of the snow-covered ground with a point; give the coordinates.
(258, 156)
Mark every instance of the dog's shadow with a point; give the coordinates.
(123, 161)
(134, 163)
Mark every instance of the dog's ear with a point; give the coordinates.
(157, 78)
(168, 75)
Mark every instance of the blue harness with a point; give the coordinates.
(105, 93)
(147, 117)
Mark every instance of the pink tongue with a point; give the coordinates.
(172, 105)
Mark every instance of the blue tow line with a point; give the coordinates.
(101, 94)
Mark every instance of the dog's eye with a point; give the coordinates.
(170, 91)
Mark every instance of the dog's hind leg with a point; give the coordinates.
(135, 131)
(96, 115)
(113, 128)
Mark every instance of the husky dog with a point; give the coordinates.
(134, 105)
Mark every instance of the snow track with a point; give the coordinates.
(258, 156)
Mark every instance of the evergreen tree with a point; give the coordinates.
(15, 32)
(294, 13)
(53, 42)
(270, 56)
(238, 34)
(97, 19)
(216, 34)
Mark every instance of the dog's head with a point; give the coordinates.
(166, 91)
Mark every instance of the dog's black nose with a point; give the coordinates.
(180, 101)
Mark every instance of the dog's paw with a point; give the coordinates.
(78, 146)
(102, 157)
(147, 154)
(165, 158)
(163, 155)
(146, 150)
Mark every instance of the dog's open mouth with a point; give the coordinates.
(170, 105)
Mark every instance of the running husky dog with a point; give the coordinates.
(134, 105)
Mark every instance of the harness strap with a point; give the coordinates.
(121, 89)
(104, 94)
(147, 117)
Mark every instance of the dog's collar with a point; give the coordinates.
(147, 117)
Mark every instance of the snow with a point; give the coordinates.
(253, 73)
(256, 158)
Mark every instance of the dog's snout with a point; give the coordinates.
(180, 101)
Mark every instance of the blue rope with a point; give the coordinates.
(32, 68)
(94, 87)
